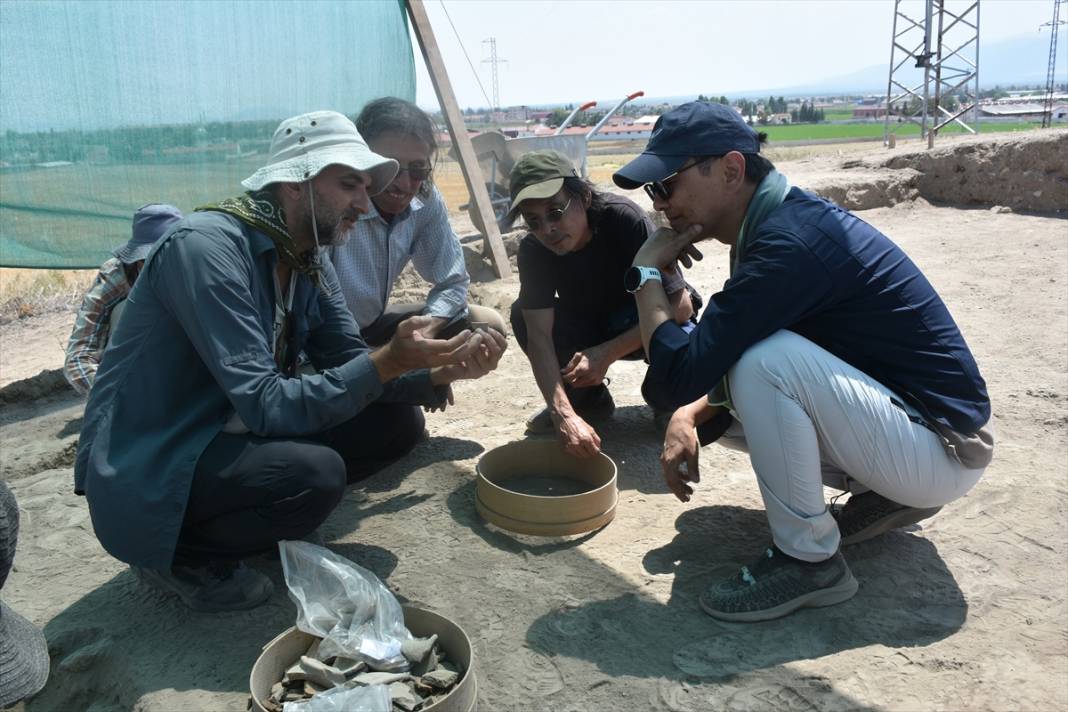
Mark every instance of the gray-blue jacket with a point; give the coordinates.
(193, 347)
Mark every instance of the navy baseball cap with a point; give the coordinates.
(697, 128)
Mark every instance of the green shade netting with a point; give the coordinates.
(106, 106)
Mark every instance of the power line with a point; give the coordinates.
(469, 63)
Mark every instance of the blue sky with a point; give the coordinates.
(575, 50)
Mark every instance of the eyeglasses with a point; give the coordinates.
(416, 171)
(660, 190)
(551, 216)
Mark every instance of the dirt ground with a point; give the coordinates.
(967, 612)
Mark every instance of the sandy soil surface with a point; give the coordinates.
(968, 611)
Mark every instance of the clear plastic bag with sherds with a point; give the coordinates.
(344, 604)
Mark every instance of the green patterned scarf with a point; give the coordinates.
(259, 210)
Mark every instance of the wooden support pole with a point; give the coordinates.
(476, 183)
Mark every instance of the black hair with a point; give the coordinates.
(399, 116)
(580, 188)
(756, 166)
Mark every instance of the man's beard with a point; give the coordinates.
(327, 225)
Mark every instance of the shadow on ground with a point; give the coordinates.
(907, 598)
(117, 644)
(461, 504)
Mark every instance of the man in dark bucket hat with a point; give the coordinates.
(103, 304)
(23, 650)
(827, 355)
(202, 443)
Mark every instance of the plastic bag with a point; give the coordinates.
(344, 604)
(371, 698)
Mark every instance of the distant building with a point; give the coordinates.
(869, 112)
(1013, 111)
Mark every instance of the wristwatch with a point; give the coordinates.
(635, 277)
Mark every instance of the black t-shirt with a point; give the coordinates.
(590, 280)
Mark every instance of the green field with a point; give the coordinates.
(73, 216)
(818, 132)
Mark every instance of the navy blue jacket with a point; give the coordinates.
(825, 274)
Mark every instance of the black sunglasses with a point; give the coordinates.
(660, 190)
(552, 216)
(416, 171)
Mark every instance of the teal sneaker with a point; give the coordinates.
(777, 585)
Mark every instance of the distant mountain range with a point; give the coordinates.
(1022, 61)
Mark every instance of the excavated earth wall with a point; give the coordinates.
(1025, 173)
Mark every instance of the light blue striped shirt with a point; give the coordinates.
(369, 263)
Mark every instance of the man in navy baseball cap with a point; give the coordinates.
(694, 129)
(827, 356)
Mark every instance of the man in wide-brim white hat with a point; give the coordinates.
(203, 443)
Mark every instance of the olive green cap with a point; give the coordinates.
(538, 175)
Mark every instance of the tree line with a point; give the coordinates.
(132, 143)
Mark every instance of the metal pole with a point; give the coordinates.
(933, 133)
(454, 120)
(1051, 71)
(890, 77)
(570, 117)
(610, 114)
(926, 65)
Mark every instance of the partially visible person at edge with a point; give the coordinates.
(202, 443)
(407, 222)
(573, 317)
(828, 356)
(103, 304)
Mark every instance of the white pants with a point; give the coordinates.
(807, 418)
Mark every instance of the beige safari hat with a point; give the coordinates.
(304, 145)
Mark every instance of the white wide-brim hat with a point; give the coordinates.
(304, 145)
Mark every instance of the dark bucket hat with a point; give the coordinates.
(150, 223)
(23, 650)
(697, 128)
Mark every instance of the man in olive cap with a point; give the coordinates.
(574, 317)
(828, 356)
(202, 443)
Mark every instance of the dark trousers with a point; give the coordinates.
(250, 492)
(573, 332)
